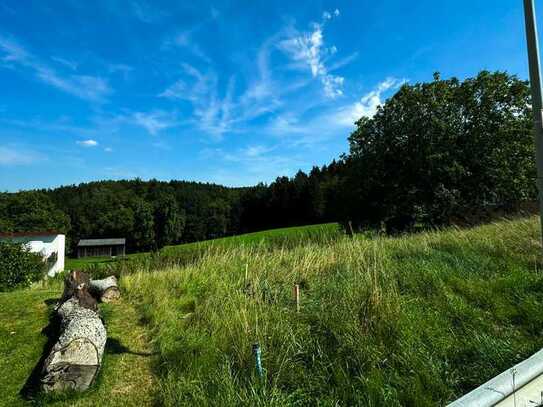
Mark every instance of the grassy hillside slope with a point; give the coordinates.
(414, 320)
(273, 237)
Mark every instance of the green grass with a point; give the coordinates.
(282, 237)
(416, 320)
(126, 377)
(413, 320)
(80, 264)
(190, 252)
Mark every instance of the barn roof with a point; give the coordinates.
(101, 242)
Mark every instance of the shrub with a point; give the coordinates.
(18, 267)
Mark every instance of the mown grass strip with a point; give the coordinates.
(126, 377)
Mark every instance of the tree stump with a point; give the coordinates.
(106, 290)
(75, 359)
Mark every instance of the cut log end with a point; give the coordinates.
(69, 377)
(111, 294)
(106, 290)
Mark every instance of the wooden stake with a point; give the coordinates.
(350, 230)
(297, 296)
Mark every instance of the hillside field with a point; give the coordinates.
(272, 237)
(412, 320)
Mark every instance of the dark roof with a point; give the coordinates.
(101, 242)
(34, 233)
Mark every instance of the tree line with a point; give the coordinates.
(436, 153)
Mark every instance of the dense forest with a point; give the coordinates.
(435, 153)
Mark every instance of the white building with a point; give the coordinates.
(50, 245)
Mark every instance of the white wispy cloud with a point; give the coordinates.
(368, 103)
(177, 90)
(264, 92)
(92, 88)
(13, 52)
(212, 111)
(87, 143)
(309, 51)
(328, 15)
(301, 128)
(254, 151)
(154, 121)
(83, 86)
(11, 156)
(108, 149)
(219, 109)
(251, 164)
(66, 62)
(287, 124)
(104, 123)
(185, 40)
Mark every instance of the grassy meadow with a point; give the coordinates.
(183, 254)
(411, 320)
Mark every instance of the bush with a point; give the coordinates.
(18, 267)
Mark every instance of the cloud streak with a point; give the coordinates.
(368, 103)
(212, 111)
(308, 50)
(11, 156)
(219, 111)
(153, 122)
(87, 143)
(257, 163)
(300, 129)
(91, 88)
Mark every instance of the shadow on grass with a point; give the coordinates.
(31, 388)
(115, 347)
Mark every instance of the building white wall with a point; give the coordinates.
(45, 245)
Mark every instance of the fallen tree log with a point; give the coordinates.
(75, 359)
(106, 290)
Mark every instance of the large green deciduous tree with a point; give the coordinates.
(440, 150)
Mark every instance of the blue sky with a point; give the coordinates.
(233, 92)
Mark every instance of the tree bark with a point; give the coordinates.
(106, 290)
(75, 359)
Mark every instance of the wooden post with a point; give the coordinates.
(350, 231)
(297, 296)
